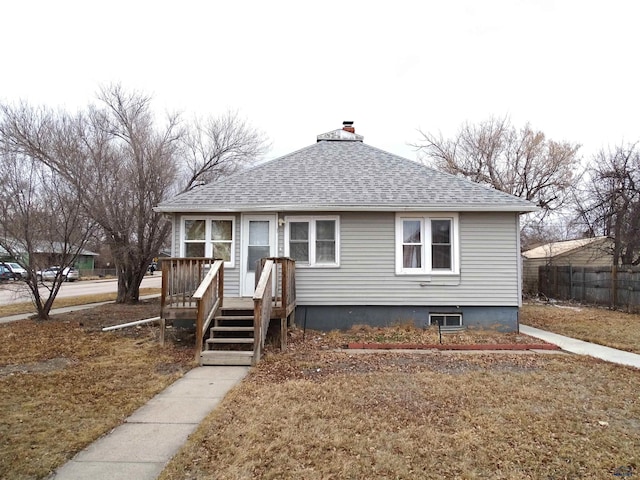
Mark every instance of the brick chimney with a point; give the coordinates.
(347, 126)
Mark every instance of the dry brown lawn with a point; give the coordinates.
(318, 413)
(27, 307)
(64, 383)
(598, 325)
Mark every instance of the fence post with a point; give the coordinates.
(571, 295)
(614, 286)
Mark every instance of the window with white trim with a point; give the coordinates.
(211, 237)
(313, 241)
(426, 244)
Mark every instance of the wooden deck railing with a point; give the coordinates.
(285, 277)
(262, 307)
(281, 272)
(181, 277)
(208, 298)
(193, 287)
(185, 292)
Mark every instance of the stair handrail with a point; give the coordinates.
(208, 297)
(262, 305)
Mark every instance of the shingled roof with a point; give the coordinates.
(341, 173)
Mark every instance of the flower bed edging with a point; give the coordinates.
(437, 346)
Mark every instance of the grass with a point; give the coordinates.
(64, 383)
(317, 413)
(328, 415)
(598, 325)
(314, 413)
(27, 307)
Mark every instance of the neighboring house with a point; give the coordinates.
(377, 238)
(582, 252)
(48, 254)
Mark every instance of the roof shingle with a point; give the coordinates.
(340, 176)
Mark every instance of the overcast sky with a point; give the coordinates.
(295, 69)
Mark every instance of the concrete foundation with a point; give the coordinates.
(504, 319)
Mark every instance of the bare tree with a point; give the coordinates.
(40, 213)
(609, 202)
(218, 146)
(121, 162)
(128, 165)
(522, 162)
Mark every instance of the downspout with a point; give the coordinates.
(519, 268)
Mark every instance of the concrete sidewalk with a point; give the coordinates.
(141, 447)
(584, 348)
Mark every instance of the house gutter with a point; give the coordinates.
(344, 208)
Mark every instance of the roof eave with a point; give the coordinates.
(343, 208)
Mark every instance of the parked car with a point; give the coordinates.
(19, 272)
(69, 274)
(6, 274)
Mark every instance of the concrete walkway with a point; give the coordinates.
(584, 348)
(141, 447)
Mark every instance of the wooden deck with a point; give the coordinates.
(230, 303)
(193, 291)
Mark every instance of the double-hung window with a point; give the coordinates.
(313, 241)
(209, 237)
(426, 244)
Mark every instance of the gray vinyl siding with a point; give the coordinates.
(489, 259)
(366, 276)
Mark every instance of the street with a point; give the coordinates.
(16, 292)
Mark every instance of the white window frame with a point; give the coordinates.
(425, 234)
(312, 239)
(208, 242)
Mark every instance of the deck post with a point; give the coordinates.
(283, 333)
(163, 326)
(163, 299)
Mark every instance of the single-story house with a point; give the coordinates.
(47, 254)
(581, 252)
(377, 239)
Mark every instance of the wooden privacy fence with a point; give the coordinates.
(617, 287)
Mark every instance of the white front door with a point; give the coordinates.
(259, 239)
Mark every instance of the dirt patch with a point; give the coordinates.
(50, 365)
(94, 319)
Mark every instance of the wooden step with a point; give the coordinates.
(234, 317)
(232, 329)
(224, 357)
(237, 310)
(228, 340)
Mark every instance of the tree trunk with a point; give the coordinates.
(129, 285)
